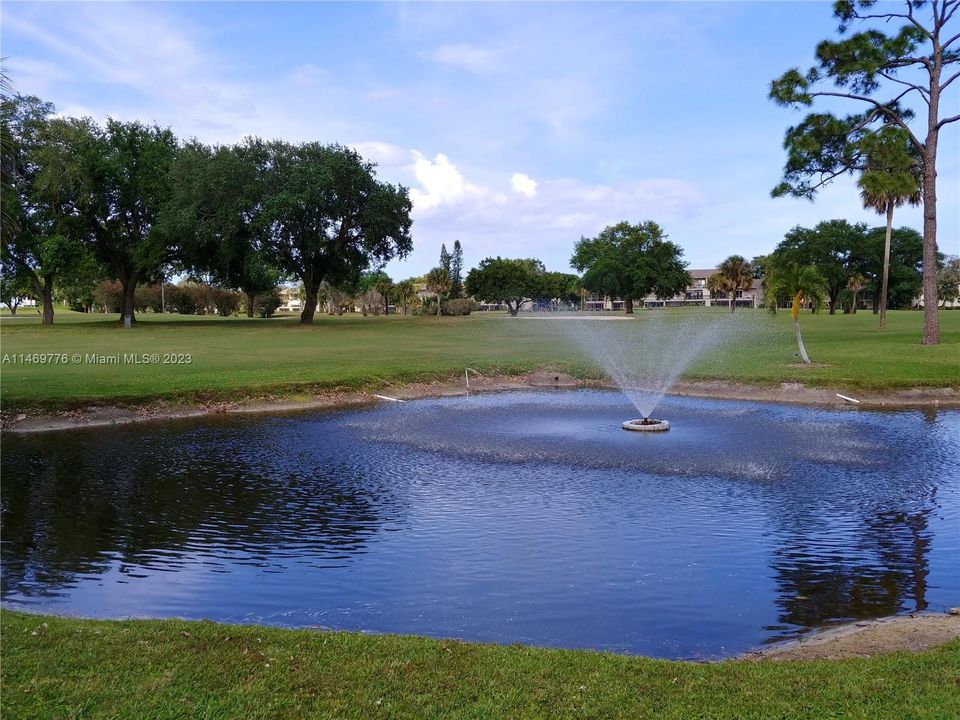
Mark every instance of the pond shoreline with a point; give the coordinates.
(96, 415)
(914, 633)
(866, 638)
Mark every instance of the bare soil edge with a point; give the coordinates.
(100, 415)
(901, 633)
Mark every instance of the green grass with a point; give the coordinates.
(56, 667)
(234, 357)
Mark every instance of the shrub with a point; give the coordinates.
(147, 297)
(459, 306)
(226, 301)
(266, 303)
(181, 299)
(426, 306)
(109, 296)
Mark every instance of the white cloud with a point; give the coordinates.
(538, 219)
(466, 56)
(443, 184)
(523, 184)
(384, 154)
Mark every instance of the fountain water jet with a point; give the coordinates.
(644, 356)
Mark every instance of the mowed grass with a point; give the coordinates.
(56, 667)
(237, 357)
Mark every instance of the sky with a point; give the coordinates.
(518, 127)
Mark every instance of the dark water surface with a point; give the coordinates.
(520, 517)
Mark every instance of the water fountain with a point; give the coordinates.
(645, 355)
(646, 425)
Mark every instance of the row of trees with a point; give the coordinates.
(853, 257)
(128, 202)
(624, 260)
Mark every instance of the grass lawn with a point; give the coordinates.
(66, 668)
(234, 357)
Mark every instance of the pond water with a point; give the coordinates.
(524, 517)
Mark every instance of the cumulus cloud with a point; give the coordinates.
(539, 219)
(523, 184)
(441, 183)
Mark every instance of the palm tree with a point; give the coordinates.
(734, 273)
(891, 179)
(385, 288)
(797, 284)
(583, 294)
(405, 292)
(438, 281)
(855, 283)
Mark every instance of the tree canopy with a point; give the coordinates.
(827, 247)
(42, 231)
(506, 281)
(214, 215)
(120, 179)
(329, 218)
(906, 257)
(631, 261)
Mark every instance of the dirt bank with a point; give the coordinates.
(105, 414)
(910, 633)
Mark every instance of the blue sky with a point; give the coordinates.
(518, 127)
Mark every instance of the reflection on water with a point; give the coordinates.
(521, 517)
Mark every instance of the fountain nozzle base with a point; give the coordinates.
(646, 425)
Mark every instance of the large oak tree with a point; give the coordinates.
(505, 280)
(631, 262)
(121, 179)
(41, 232)
(328, 217)
(214, 215)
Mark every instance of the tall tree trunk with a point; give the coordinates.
(44, 289)
(129, 285)
(931, 321)
(48, 303)
(628, 306)
(733, 301)
(251, 301)
(884, 283)
(853, 306)
(803, 350)
(310, 291)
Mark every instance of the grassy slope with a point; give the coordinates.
(173, 669)
(234, 356)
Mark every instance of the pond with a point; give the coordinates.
(526, 517)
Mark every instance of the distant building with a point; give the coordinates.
(290, 300)
(697, 294)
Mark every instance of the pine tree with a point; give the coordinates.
(456, 271)
(444, 258)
